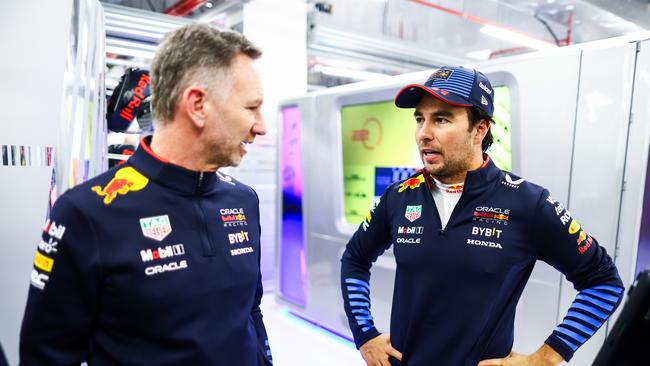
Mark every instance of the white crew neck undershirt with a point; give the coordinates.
(446, 196)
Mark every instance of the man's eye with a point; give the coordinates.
(419, 120)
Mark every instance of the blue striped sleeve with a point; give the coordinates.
(358, 300)
(589, 311)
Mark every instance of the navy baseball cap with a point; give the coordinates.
(457, 86)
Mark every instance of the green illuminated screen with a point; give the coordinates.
(501, 149)
(379, 148)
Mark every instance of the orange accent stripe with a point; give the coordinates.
(146, 148)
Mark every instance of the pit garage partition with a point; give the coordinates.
(574, 120)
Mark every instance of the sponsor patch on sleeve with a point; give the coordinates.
(43, 262)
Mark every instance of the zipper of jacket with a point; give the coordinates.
(205, 239)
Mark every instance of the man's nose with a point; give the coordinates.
(424, 132)
(259, 127)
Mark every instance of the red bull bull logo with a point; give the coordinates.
(584, 242)
(411, 183)
(456, 188)
(125, 180)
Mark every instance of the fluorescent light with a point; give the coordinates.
(348, 73)
(120, 30)
(514, 37)
(129, 52)
(138, 21)
(139, 26)
(131, 44)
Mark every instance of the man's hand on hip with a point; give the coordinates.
(544, 356)
(377, 351)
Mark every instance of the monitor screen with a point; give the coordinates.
(377, 140)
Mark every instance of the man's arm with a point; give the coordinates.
(256, 313)
(62, 297)
(260, 329)
(567, 246)
(371, 240)
(563, 243)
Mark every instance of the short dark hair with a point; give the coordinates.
(476, 115)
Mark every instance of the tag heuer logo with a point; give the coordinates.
(156, 228)
(413, 212)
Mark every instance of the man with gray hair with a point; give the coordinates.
(156, 262)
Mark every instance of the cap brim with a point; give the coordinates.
(410, 96)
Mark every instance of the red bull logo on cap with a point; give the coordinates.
(411, 183)
(125, 180)
(441, 74)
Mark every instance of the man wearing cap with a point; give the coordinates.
(156, 262)
(466, 236)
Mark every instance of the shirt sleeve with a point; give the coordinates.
(563, 243)
(371, 239)
(63, 295)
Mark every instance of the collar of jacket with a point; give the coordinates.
(170, 175)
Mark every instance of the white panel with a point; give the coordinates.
(635, 170)
(600, 142)
(33, 58)
(22, 216)
(33, 39)
(37, 98)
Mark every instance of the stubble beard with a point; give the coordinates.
(453, 165)
(224, 156)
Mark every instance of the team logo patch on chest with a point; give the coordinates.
(156, 228)
(125, 180)
(413, 213)
(238, 238)
(160, 259)
(495, 215)
(232, 217)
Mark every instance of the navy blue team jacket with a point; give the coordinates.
(456, 288)
(148, 264)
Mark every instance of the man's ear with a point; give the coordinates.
(193, 104)
(481, 129)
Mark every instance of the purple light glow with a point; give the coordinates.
(643, 254)
(293, 269)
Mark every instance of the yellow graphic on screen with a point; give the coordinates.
(374, 135)
(501, 149)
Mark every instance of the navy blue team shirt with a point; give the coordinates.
(148, 264)
(456, 288)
